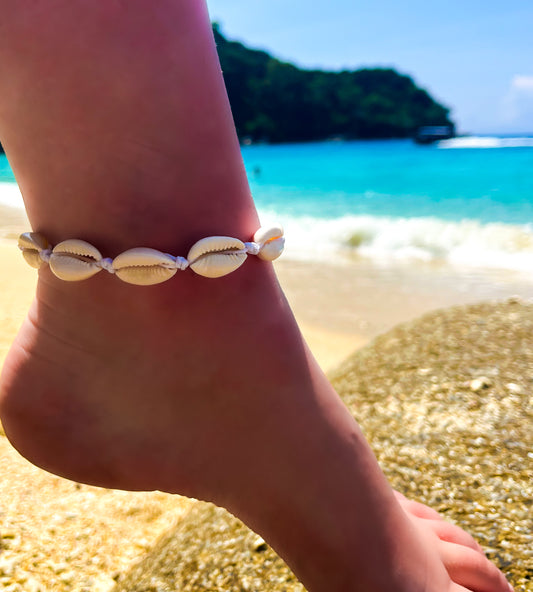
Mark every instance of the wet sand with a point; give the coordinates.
(13, 221)
(341, 308)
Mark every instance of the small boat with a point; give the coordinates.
(428, 134)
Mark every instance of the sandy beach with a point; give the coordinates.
(60, 536)
(341, 308)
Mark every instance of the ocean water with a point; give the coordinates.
(467, 202)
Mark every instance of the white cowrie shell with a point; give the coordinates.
(33, 240)
(143, 266)
(272, 249)
(74, 260)
(216, 256)
(32, 258)
(32, 243)
(271, 242)
(268, 233)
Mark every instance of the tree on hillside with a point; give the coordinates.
(275, 101)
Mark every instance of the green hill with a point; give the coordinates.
(275, 101)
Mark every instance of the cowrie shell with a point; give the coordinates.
(216, 256)
(272, 249)
(266, 233)
(271, 242)
(74, 260)
(33, 240)
(143, 266)
(32, 243)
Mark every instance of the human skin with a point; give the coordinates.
(115, 120)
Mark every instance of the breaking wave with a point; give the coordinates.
(465, 243)
(10, 195)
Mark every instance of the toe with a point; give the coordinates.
(454, 534)
(469, 568)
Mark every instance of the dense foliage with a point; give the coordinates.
(277, 102)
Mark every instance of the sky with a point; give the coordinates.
(473, 56)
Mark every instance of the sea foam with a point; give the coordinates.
(465, 243)
(10, 195)
(486, 142)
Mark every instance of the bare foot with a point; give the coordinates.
(200, 387)
(203, 387)
(463, 558)
(164, 387)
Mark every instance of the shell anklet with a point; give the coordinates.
(215, 256)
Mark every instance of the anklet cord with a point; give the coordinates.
(214, 256)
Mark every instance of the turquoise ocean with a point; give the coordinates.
(467, 202)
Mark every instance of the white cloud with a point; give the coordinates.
(522, 84)
(517, 104)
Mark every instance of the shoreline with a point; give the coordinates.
(360, 301)
(13, 222)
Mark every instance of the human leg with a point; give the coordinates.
(115, 119)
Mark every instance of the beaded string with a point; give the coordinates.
(214, 256)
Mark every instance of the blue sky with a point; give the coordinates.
(476, 57)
